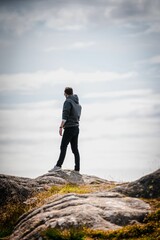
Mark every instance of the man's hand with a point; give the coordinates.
(61, 127)
(60, 131)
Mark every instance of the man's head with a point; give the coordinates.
(68, 91)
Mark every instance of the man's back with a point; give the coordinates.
(71, 111)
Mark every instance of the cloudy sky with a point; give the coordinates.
(109, 52)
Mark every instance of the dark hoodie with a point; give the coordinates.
(71, 111)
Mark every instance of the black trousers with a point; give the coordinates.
(70, 135)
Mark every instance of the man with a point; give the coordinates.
(70, 123)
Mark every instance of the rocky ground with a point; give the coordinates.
(146, 187)
(15, 189)
(110, 206)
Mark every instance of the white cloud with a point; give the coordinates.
(155, 59)
(126, 93)
(133, 107)
(66, 17)
(74, 46)
(29, 137)
(120, 132)
(155, 28)
(81, 45)
(38, 121)
(77, 15)
(4, 44)
(15, 22)
(34, 81)
(50, 15)
(29, 117)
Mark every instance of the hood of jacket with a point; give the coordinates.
(73, 98)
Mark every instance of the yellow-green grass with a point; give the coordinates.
(149, 230)
(45, 196)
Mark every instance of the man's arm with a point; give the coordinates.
(65, 115)
(66, 110)
(61, 127)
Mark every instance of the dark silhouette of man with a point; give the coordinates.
(70, 124)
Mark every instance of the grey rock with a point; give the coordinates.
(19, 189)
(105, 210)
(62, 177)
(72, 177)
(14, 189)
(146, 187)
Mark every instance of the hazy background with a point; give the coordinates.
(109, 52)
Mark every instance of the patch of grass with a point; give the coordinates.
(149, 230)
(71, 188)
(129, 232)
(74, 188)
(153, 217)
(45, 196)
(153, 202)
(57, 234)
(81, 189)
(9, 216)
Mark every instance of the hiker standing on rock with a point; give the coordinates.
(70, 123)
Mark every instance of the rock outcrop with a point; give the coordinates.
(105, 210)
(18, 189)
(14, 189)
(146, 187)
